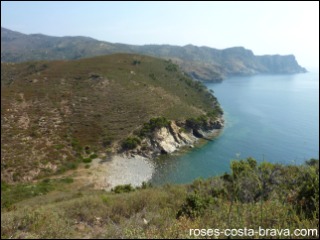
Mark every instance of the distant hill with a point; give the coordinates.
(54, 114)
(202, 63)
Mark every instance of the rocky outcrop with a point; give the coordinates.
(279, 64)
(169, 139)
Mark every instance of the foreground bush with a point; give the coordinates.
(252, 195)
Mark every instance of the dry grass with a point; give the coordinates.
(152, 212)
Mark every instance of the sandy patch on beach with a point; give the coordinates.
(120, 170)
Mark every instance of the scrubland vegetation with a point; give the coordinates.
(57, 114)
(251, 195)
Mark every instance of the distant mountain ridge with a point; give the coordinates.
(202, 63)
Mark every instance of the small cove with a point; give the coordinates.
(268, 117)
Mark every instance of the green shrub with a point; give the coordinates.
(87, 160)
(152, 76)
(106, 141)
(194, 206)
(145, 185)
(4, 186)
(154, 123)
(194, 123)
(123, 188)
(76, 145)
(16, 193)
(203, 121)
(217, 111)
(131, 143)
(67, 166)
(308, 190)
(93, 156)
(313, 162)
(136, 62)
(59, 146)
(242, 167)
(171, 67)
(71, 165)
(66, 180)
(87, 150)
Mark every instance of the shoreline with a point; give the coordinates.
(120, 170)
(134, 169)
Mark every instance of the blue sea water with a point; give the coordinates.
(268, 117)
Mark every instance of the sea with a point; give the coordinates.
(271, 118)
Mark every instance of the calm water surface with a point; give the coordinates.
(269, 117)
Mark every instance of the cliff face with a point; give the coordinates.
(202, 63)
(238, 61)
(279, 64)
(169, 139)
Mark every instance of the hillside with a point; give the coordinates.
(55, 115)
(201, 63)
(252, 197)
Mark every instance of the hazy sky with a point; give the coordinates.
(264, 27)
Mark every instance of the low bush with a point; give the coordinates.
(123, 189)
(130, 143)
(154, 123)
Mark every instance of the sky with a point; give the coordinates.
(263, 27)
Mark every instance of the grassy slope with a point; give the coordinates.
(52, 111)
(265, 195)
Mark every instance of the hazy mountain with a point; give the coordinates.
(202, 63)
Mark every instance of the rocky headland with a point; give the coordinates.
(170, 138)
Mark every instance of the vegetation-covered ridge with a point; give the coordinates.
(58, 115)
(201, 63)
(252, 196)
